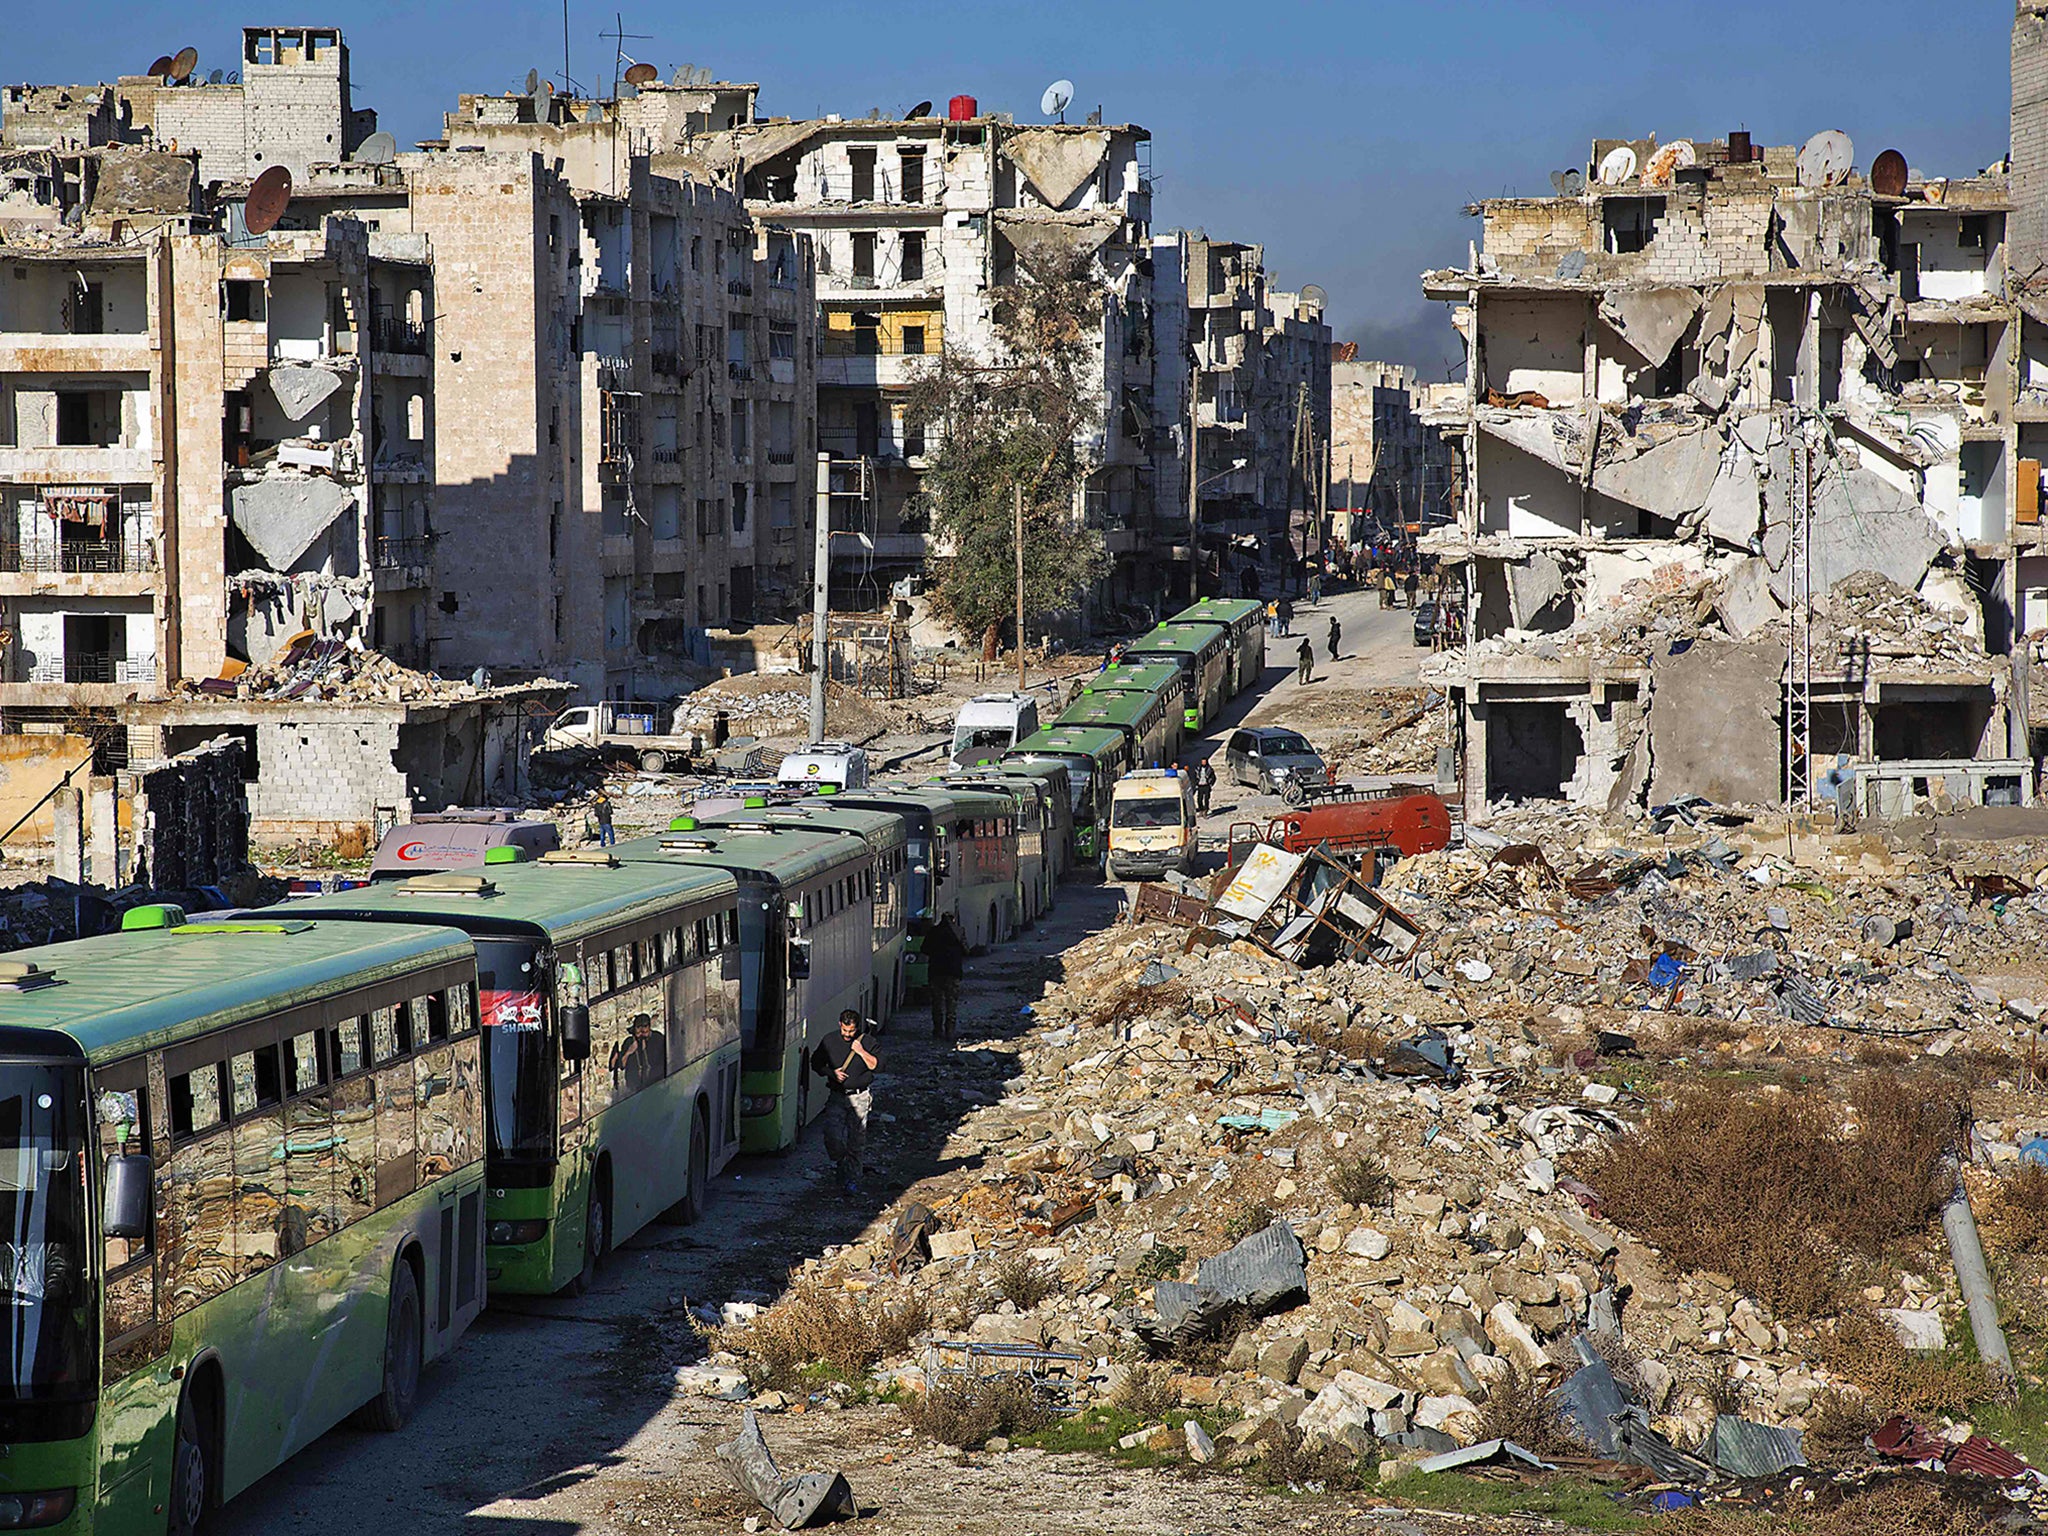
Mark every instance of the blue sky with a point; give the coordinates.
(1346, 137)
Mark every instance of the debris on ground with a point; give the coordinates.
(808, 1499)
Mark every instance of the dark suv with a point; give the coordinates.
(1273, 760)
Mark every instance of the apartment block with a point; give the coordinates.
(1752, 481)
(915, 222)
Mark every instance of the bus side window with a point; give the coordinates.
(430, 1018)
(196, 1101)
(130, 1279)
(384, 1042)
(310, 1210)
(671, 948)
(461, 1010)
(348, 1047)
(394, 1115)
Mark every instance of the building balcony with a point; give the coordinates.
(63, 352)
(78, 465)
(395, 334)
(870, 370)
(92, 667)
(389, 554)
(77, 557)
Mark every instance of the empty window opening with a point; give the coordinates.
(1532, 751)
(1630, 223)
(88, 418)
(913, 257)
(864, 253)
(913, 175)
(244, 299)
(863, 163)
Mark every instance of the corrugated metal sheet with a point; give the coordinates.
(1985, 1458)
(1745, 1448)
(1264, 1271)
(1900, 1439)
(1591, 1405)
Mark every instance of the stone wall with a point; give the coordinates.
(191, 822)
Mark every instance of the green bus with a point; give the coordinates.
(1245, 621)
(243, 1200)
(1155, 726)
(1030, 804)
(969, 838)
(806, 922)
(1206, 653)
(1154, 677)
(888, 843)
(1095, 757)
(610, 1009)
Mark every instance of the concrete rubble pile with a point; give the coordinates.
(768, 704)
(1182, 1118)
(339, 671)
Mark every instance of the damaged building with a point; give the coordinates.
(914, 222)
(1389, 465)
(1726, 405)
(1259, 357)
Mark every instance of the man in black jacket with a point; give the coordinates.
(848, 1064)
(945, 955)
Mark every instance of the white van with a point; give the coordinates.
(1152, 825)
(835, 765)
(990, 724)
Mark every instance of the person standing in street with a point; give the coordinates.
(945, 955)
(1414, 581)
(601, 810)
(1387, 587)
(1336, 633)
(1315, 587)
(1204, 778)
(1286, 610)
(848, 1063)
(1305, 662)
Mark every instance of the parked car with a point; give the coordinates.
(1425, 622)
(1273, 760)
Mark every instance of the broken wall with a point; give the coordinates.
(1713, 722)
(191, 816)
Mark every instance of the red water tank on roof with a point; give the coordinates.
(962, 109)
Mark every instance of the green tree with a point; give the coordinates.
(1006, 421)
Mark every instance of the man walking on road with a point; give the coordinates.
(1414, 581)
(847, 1063)
(1285, 609)
(1305, 661)
(1204, 779)
(1315, 587)
(945, 958)
(1336, 631)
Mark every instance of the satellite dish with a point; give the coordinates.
(1574, 182)
(377, 149)
(162, 67)
(1313, 294)
(1826, 158)
(186, 61)
(543, 102)
(1557, 182)
(922, 109)
(1888, 174)
(1665, 165)
(269, 195)
(642, 74)
(1057, 95)
(532, 81)
(234, 77)
(1617, 165)
(214, 78)
(681, 76)
(703, 74)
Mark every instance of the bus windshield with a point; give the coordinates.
(519, 1054)
(983, 738)
(43, 1234)
(1153, 811)
(761, 978)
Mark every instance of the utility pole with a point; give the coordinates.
(1017, 491)
(821, 603)
(1194, 477)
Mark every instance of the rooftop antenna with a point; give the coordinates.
(161, 67)
(684, 74)
(620, 37)
(543, 102)
(1054, 102)
(214, 78)
(703, 74)
(642, 74)
(567, 84)
(532, 81)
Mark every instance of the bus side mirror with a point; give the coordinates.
(129, 1196)
(799, 959)
(573, 1019)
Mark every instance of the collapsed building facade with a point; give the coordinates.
(1749, 479)
(524, 405)
(1389, 465)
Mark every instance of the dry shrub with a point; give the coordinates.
(817, 1323)
(1906, 1505)
(1518, 1408)
(967, 1413)
(1895, 1379)
(1146, 1391)
(1129, 1000)
(1837, 1423)
(2016, 1217)
(1247, 1219)
(1702, 1032)
(1360, 1180)
(1877, 1052)
(1767, 1188)
(1022, 1282)
(1287, 1460)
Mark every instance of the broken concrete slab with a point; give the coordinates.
(1651, 320)
(1746, 603)
(1713, 722)
(281, 518)
(1056, 163)
(298, 388)
(1533, 585)
(1860, 523)
(1734, 506)
(1671, 479)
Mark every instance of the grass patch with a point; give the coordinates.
(1768, 1187)
(2021, 1424)
(967, 1413)
(1097, 1430)
(1360, 1180)
(1897, 1380)
(1569, 1501)
(1247, 1219)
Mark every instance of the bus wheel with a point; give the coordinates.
(393, 1404)
(597, 1233)
(191, 1461)
(697, 1195)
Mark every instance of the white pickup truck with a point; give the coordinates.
(629, 730)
